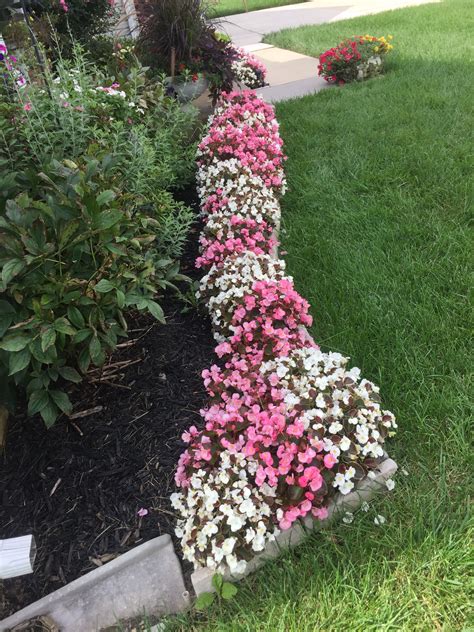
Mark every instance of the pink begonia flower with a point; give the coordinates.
(64, 6)
(329, 460)
(27, 107)
(142, 512)
(321, 513)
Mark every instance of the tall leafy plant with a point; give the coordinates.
(74, 258)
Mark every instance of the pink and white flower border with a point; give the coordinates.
(287, 427)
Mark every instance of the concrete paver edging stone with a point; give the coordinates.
(146, 579)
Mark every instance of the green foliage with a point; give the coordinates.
(74, 257)
(223, 590)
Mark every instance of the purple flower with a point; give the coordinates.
(142, 512)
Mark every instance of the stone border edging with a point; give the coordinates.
(365, 491)
(147, 579)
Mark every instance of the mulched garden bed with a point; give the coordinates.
(78, 486)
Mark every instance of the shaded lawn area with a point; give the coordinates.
(376, 230)
(220, 8)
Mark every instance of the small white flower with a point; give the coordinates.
(390, 483)
(348, 517)
(379, 520)
(228, 546)
(365, 506)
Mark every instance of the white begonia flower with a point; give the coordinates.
(346, 487)
(235, 522)
(228, 546)
(247, 507)
(344, 444)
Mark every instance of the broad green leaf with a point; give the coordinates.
(75, 316)
(104, 286)
(70, 374)
(105, 197)
(61, 400)
(49, 413)
(64, 326)
(38, 400)
(48, 338)
(6, 308)
(120, 298)
(84, 360)
(204, 600)
(11, 269)
(156, 311)
(14, 343)
(82, 335)
(18, 361)
(96, 351)
(228, 590)
(107, 219)
(7, 313)
(116, 250)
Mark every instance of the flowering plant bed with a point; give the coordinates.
(287, 427)
(354, 59)
(97, 484)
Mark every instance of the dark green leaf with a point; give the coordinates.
(18, 361)
(48, 338)
(104, 286)
(11, 269)
(69, 373)
(37, 401)
(84, 360)
(49, 413)
(107, 219)
(75, 316)
(64, 326)
(105, 197)
(14, 343)
(61, 400)
(156, 311)
(96, 351)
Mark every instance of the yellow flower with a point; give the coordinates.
(376, 49)
(390, 37)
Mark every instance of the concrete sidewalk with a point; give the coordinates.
(249, 28)
(290, 74)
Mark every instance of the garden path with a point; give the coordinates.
(290, 74)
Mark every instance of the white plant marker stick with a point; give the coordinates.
(17, 556)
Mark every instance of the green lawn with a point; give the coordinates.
(230, 7)
(376, 230)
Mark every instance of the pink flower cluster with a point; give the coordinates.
(236, 235)
(294, 422)
(246, 135)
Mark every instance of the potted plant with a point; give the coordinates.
(354, 59)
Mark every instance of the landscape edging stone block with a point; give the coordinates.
(146, 579)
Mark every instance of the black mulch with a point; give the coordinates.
(78, 486)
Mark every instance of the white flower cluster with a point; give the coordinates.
(248, 71)
(345, 409)
(224, 286)
(223, 512)
(230, 175)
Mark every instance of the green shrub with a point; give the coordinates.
(74, 257)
